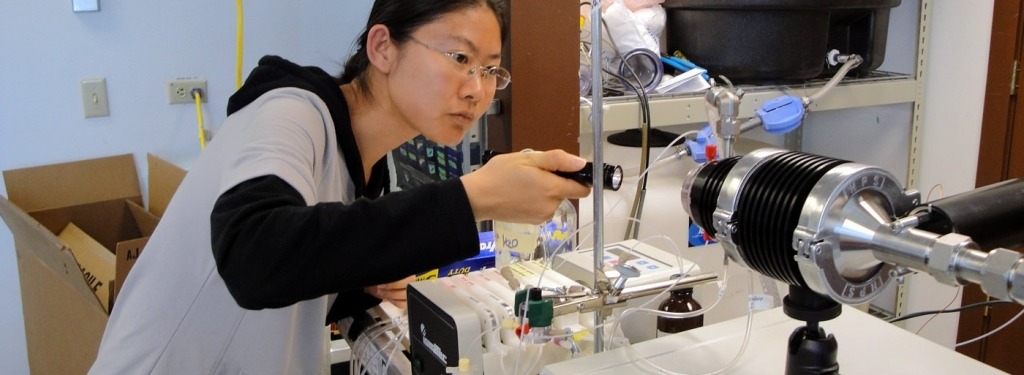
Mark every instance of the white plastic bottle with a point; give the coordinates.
(513, 241)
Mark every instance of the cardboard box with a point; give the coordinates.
(96, 261)
(64, 318)
(485, 259)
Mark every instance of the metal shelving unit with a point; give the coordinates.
(621, 113)
(880, 88)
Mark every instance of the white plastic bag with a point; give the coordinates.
(630, 30)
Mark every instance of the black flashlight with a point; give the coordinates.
(612, 173)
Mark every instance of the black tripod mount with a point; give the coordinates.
(811, 351)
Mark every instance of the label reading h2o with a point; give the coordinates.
(760, 302)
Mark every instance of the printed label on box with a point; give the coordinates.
(485, 259)
(96, 262)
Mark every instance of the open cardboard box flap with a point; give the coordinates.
(164, 179)
(75, 183)
(46, 247)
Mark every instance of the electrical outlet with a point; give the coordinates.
(179, 91)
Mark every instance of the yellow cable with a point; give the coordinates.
(238, 63)
(199, 115)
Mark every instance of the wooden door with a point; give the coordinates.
(1000, 157)
(541, 108)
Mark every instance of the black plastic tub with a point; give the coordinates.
(777, 40)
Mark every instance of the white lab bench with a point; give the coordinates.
(867, 345)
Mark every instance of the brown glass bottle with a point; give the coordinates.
(679, 301)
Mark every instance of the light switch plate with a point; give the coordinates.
(94, 97)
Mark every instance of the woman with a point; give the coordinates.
(279, 227)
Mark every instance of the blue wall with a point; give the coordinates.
(138, 46)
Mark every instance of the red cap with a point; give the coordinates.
(711, 151)
(522, 329)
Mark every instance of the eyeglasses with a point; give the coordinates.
(499, 75)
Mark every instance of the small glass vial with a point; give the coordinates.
(679, 301)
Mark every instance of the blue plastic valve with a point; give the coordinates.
(782, 114)
(698, 147)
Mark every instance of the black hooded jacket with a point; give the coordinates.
(387, 237)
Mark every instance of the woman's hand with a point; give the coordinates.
(519, 186)
(393, 292)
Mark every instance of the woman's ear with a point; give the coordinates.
(380, 48)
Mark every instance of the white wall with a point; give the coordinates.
(954, 99)
(46, 49)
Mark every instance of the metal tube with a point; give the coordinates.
(951, 259)
(598, 302)
(969, 265)
(597, 126)
(657, 287)
(751, 124)
(727, 147)
(909, 248)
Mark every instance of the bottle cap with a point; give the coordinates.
(541, 313)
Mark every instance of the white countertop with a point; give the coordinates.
(867, 345)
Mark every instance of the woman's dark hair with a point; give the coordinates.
(402, 17)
